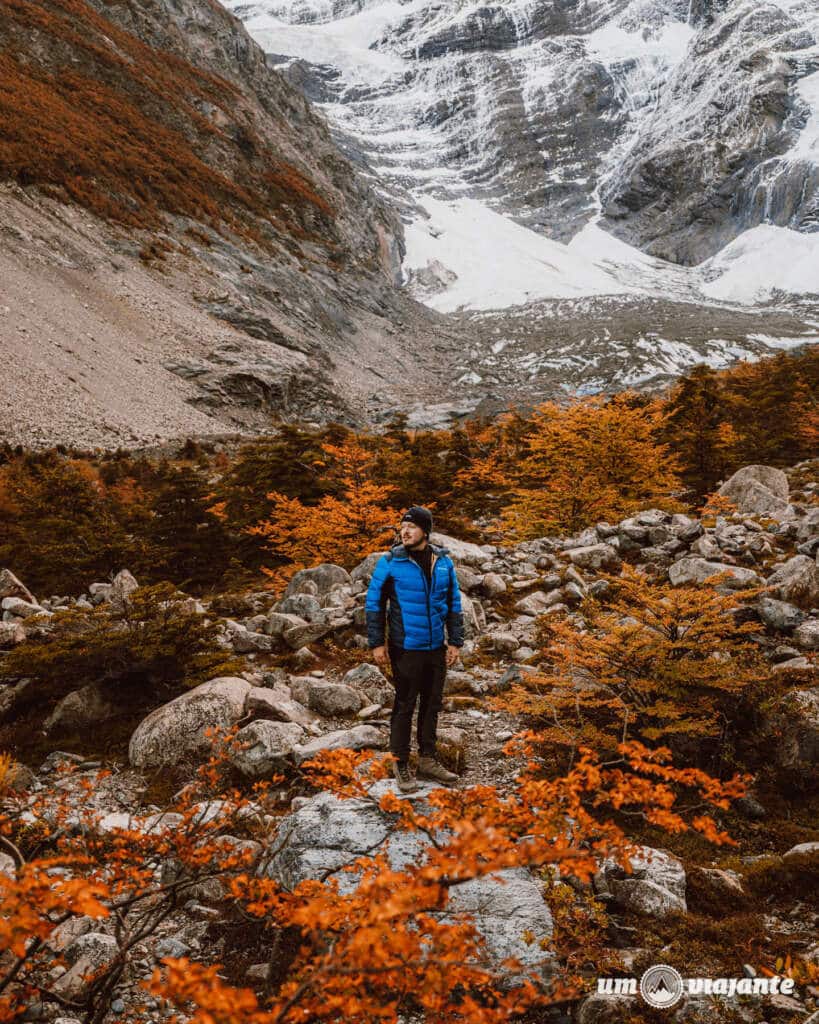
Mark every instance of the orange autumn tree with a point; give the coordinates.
(342, 527)
(594, 459)
(70, 861)
(368, 952)
(491, 451)
(390, 945)
(652, 661)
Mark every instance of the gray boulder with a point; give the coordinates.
(370, 681)
(718, 886)
(586, 538)
(653, 517)
(474, 617)
(176, 730)
(807, 634)
(304, 657)
(81, 709)
(808, 528)
(325, 834)
(730, 537)
(279, 622)
(468, 581)
(18, 608)
(779, 615)
(325, 577)
(11, 633)
(244, 641)
(801, 850)
(360, 737)
(797, 663)
(760, 490)
(95, 945)
(797, 581)
(706, 547)
(297, 637)
(536, 603)
(493, 584)
(267, 747)
(688, 571)
(460, 551)
(99, 592)
(300, 688)
(504, 906)
(504, 643)
(322, 836)
(630, 529)
(122, 587)
(305, 605)
(655, 557)
(10, 586)
(794, 726)
(89, 955)
(277, 704)
(596, 557)
(333, 700)
(458, 682)
(656, 885)
(364, 570)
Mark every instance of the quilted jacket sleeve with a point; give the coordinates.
(455, 616)
(376, 603)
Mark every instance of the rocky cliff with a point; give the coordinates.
(674, 125)
(184, 247)
(731, 141)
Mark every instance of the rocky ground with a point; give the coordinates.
(550, 349)
(207, 340)
(309, 686)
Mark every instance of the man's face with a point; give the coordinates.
(411, 534)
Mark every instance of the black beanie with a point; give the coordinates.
(420, 516)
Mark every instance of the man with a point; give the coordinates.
(426, 631)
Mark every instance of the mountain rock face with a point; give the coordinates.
(732, 140)
(675, 124)
(184, 248)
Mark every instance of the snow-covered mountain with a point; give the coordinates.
(545, 149)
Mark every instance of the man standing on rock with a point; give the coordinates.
(426, 631)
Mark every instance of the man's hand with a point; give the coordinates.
(452, 655)
(380, 656)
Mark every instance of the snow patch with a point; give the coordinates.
(807, 145)
(612, 44)
(498, 263)
(761, 263)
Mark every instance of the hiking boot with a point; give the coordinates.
(430, 768)
(403, 776)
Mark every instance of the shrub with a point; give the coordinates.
(57, 522)
(655, 661)
(156, 646)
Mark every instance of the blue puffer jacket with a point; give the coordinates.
(421, 617)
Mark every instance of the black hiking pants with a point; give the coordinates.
(416, 674)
